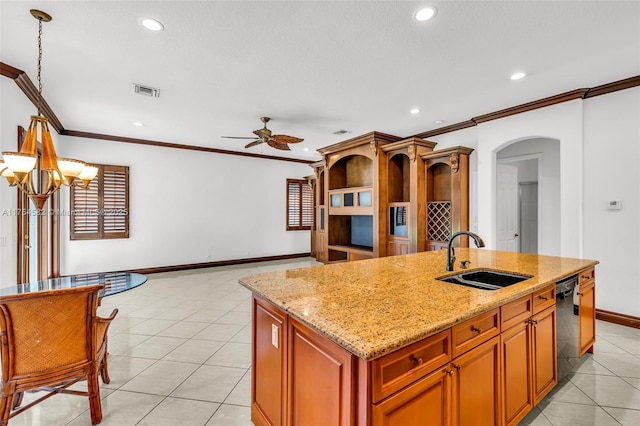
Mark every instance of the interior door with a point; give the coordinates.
(507, 217)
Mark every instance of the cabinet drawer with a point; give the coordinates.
(542, 299)
(587, 275)
(475, 331)
(398, 369)
(515, 312)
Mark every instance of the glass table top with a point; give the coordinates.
(114, 282)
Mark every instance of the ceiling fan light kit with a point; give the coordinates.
(265, 135)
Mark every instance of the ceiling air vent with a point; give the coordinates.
(341, 132)
(146, 90)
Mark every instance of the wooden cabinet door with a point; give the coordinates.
(476, 386)
(397, 247)
(517, 370)
(321, 386)
(269, 364)
(321, 246)
(425, 402)
(587, 317)
(544, 352)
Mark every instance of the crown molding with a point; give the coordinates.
(604, 89)
(112, 138)
(29, 89)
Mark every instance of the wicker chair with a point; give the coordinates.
(51, 340)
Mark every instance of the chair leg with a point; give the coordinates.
(17, 400)
(104, 369)
(6, 403)
(95, 406)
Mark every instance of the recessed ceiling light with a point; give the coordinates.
(517, 76)
(151, 24)
(425, 13)
(305, 149)
(138, 123)
(414, 110)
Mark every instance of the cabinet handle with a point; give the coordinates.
(456, 366)
(534, 322)
(580, 294)
(476, 329)
(543, 297)
(416, 361)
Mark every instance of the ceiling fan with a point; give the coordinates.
(264, 136)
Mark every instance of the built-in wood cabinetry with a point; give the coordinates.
(587, 310)
(491, 369)
(528, 343)
(378, 195)
(447, 192)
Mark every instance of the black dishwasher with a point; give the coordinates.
(567, 325)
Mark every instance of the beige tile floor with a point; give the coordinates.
(180, 356)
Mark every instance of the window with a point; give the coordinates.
(101, 211)
(299, 205)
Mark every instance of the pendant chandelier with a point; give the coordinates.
(39, 176)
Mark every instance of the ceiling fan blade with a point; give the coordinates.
(286, 139)
(278, 145)
(237, 137)
(254, 143)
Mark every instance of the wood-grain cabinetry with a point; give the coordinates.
(385, 196)
(447, 196)
(528, 343)
(485, 371)
(269, 362)
(587, 310)
(464, 390)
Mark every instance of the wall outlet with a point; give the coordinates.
(615, 205)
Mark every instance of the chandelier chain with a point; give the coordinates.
(39, 62)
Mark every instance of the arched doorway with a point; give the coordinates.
(528, 196)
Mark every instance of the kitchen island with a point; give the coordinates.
(384, 341)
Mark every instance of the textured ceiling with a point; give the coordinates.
(315, 67)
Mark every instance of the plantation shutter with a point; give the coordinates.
(101, 211)
(115, 202)
(84, 204)
(299, 205)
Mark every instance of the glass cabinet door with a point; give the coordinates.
(398, 221)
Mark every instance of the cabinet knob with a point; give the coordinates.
(449, 372)
(416, 361)
(580, 294)
(476, 329)
(456, 366)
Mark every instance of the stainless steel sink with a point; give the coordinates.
(485, 279)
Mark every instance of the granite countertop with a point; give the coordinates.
(373, 307)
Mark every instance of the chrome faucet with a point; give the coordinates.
(451, 254)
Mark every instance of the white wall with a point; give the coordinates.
(15, 109)
(611, 172)
(599, 156)
(187, 207)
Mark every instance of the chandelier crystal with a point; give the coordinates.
(41, 175)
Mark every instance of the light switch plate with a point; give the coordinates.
(274, 335)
